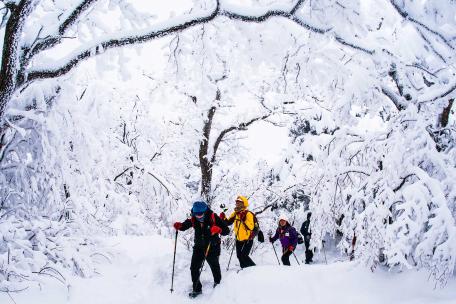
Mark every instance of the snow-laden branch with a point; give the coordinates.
(240, 127)
(73, 17)
(171, 27)
(394, 98)
(445, 93)
(51, 41)
(161, 30)
(407, 16)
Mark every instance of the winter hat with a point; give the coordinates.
(283, 217)
(244, 200)
(199, 207)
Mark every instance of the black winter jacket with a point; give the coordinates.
(305, 230)
(203, 229)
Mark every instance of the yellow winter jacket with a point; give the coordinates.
(242, 229)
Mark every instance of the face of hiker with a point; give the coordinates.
(239, 205)
(199, 216)
(282, 223)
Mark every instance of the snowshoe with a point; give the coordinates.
(194, 294)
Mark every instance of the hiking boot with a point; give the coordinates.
(194, 294)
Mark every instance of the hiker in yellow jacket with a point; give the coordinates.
(243, 226)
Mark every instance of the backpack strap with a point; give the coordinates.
(213, 219)
(255, 222)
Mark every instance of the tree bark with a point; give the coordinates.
(445, 116)
(204, 159)
(11, 50)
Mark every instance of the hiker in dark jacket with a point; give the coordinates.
(307, 233)
(288, 238)
(207, 226)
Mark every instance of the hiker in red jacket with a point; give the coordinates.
(208, 226)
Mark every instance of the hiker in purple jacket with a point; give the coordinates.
(288, 238)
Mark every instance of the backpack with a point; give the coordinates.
(300, 238)
(256, 229)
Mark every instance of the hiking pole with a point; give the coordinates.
(205, 256)
(270, 235)
(234, 245)
(296, 258)
(273, 247)
(224, 209)
(229, 261)
(174, 262)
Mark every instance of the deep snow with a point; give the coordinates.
(139, 272)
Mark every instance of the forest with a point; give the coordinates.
(117, 115)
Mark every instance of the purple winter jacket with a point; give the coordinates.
(288, 236)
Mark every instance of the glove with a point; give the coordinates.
(215, 230)
(177, 225)
(222, 215)
(290, 248)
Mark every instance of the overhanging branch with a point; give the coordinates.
(118, 42)
(51, 41)
(162, 32)
(241, 127)
(73, 17)
(399, 105)
(407, 16)
(404, 179)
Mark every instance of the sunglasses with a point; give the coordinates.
(198, 214)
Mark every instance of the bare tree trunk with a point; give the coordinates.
(11, 51)
(206, 161)
(445, 116)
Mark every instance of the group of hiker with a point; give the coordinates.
(208, 226)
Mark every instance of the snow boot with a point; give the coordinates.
(194, 294)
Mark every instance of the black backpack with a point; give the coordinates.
(256, 229)
(300, 238)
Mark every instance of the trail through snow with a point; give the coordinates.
(140, 273)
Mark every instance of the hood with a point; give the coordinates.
(244, 200)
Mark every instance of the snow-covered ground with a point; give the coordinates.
(140, 272)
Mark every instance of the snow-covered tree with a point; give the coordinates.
(369, 82)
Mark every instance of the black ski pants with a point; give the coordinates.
(242, 251)
(198, 260)
(286, 257)
(309, 253)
